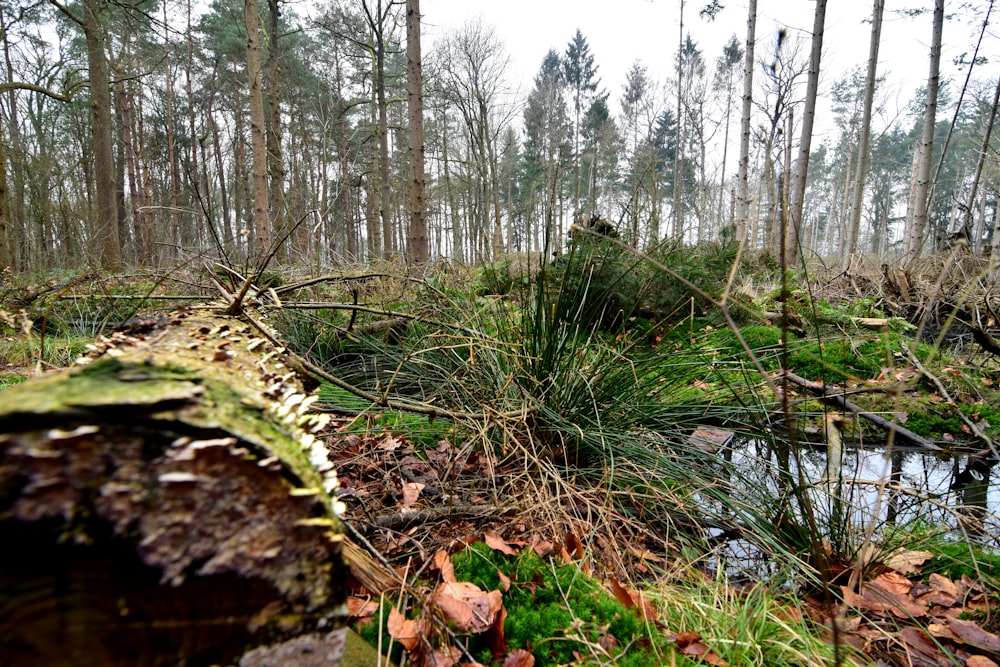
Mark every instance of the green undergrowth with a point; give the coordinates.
(957, 559)
(557, 612)
(563, 616)
(852, 357)
(24, 351)
(417, 428)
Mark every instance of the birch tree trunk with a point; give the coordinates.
(917, 204)
(854, 221)
(793, 224)
(742, 177)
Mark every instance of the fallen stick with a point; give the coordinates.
(841, 402)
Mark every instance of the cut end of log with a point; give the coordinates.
(151, 510)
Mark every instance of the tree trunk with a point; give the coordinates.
(165, 503)
(261, 206)
(105, 229)
(417, 238)
(917, 204)
(984, 151)
(7, 241)
(177, 238)
(679, 147)
(345, 189)
(275, 161)
(196, 143)
(854, 221)
(742, 178)
(794, 220)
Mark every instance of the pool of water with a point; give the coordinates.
(878, 490)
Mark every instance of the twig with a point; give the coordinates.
(327, 279)
(825, 395)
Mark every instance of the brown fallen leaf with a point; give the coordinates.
(469, 607)
(495, 542)
(495, 635)
(682, 639)
(893, 582)
(700, 650)
(622, 594)
(519, 658)
(390, 443)
(633, 600)
(921, 651)
(407, 632)
(908, 562)
(979, 661)
(973, 635)
(542, 548)
(443, 563)
(697, 649)
(411, 492)
(504, 581)
(942, 584)
(607, 642)
(941, 631)
(886, 594)
(574, 546)
(447, 656)
(361, 607)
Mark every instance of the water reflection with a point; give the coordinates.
(907, 487)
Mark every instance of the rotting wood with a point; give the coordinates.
(872, 323)
(167, 503)
(826, 395)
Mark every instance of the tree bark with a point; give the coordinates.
(275, 160)
(7, 241)
(854, 221)
(966, 229)
(417, 240)
(261, 205)
(794, 220)
(377, 25)
(176, 236)
(104, 227)
(917, 204)
(678, 216)
(166, 503)
(742, 178)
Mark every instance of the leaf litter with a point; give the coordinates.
(411, 503)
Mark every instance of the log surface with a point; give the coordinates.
(165, 504)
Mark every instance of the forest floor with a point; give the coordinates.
(471, 540)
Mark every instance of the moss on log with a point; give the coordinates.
(166, 503)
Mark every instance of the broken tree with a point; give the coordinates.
(167, 503)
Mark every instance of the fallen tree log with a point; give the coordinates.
(166, 503)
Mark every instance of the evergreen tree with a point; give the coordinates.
(582, 81)
(546, 148)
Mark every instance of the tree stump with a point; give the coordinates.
(165, 504)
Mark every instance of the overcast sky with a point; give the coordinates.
(620, 32)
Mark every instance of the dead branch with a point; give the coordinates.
(827, 396)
